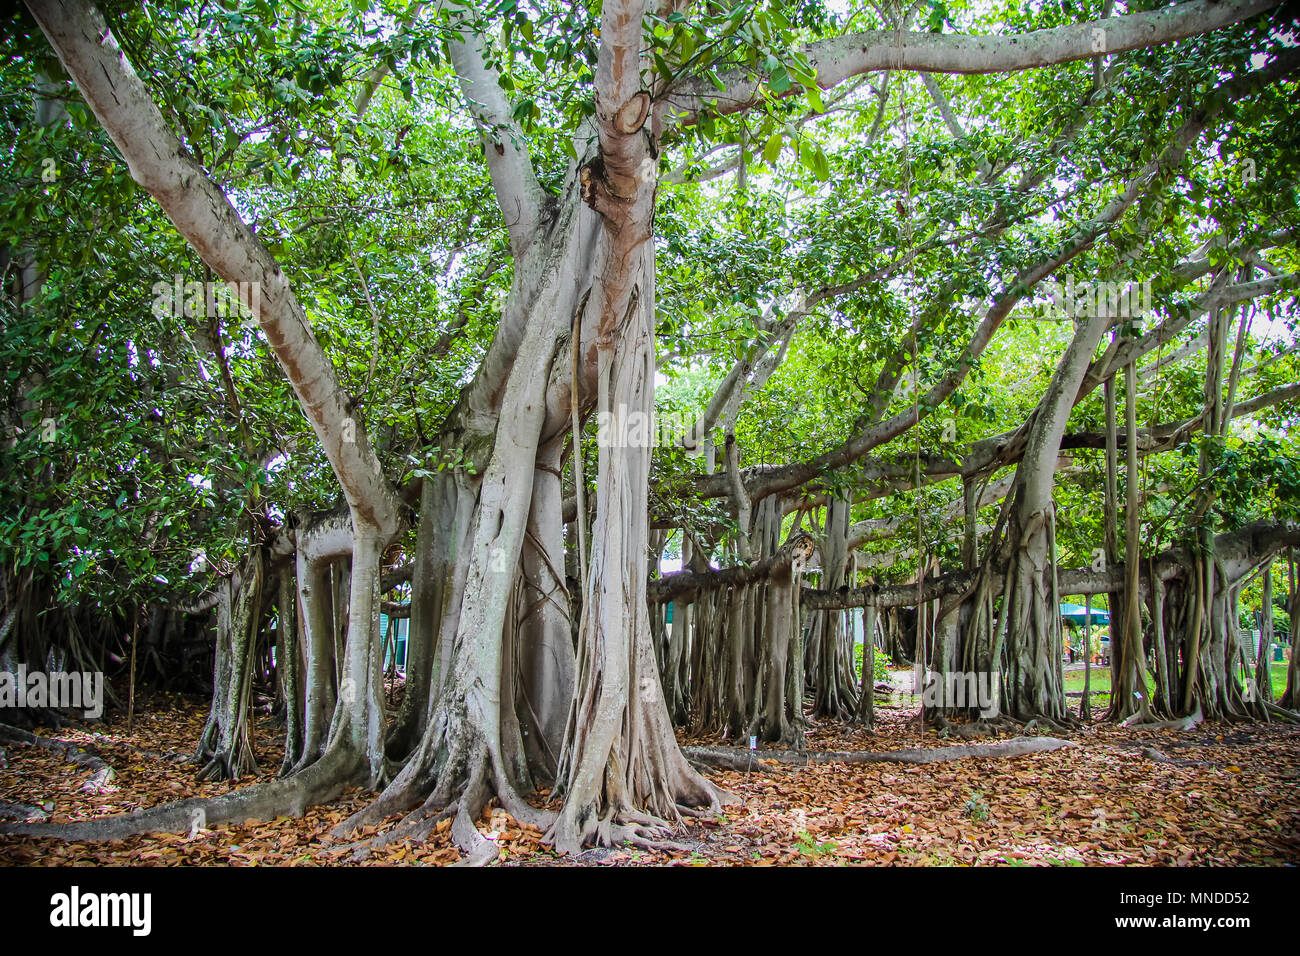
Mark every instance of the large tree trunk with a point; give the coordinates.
(545, 658)
(510, 559)
(622, 768)
(1030, 624)
(1291, 696)
(830, 644)
(225, 749)
(1129, 694)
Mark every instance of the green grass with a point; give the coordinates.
(1277, 671)
(1099, 683)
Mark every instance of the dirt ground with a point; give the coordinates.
(1217, 795)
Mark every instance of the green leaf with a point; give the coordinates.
(779, 81)
(815, 160)
(772, 148)
(815, 97)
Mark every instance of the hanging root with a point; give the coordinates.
(320, 783)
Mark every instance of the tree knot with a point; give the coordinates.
(631, 116)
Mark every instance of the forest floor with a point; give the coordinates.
(1216, 795)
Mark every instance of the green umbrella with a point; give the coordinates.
(1076, 613)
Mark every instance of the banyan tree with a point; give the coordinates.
(879, 320)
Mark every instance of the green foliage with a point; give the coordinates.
(881, 665)
(977, 808)
(808, 845)
(899, 233)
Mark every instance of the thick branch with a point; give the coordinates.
(504, 145)
(202, 214)
(839, 58)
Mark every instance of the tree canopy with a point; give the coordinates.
(894, 306)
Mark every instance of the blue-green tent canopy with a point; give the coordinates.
(1075, 613)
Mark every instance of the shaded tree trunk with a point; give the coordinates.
(225, 748)
(1030, 623)
(1291, 696)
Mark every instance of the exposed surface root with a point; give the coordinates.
(21, 811)
(416, 827)
(102, 773)
(976, 728)
(383, 806)
(1151, 753)
(1281, 713)
(478, 849)
(443, 798)
(1182, 723)
(320, 783)
(631, 827)
(728, 758)
(1056, 726)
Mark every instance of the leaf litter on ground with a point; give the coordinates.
(1221, 795)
